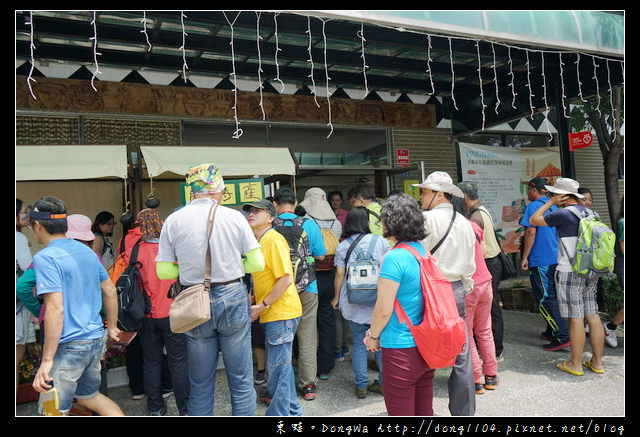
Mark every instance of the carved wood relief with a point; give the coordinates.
(143, 99)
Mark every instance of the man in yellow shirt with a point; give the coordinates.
(277, 306)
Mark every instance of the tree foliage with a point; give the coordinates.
(604, 114)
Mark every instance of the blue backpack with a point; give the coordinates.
(362, 273)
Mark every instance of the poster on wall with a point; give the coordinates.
(499, 173)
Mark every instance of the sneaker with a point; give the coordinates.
(159, 413)
(479, 388)
(166, 394)
(361, 393)
(555, 345)
(610, 337)
(500, 358)
(309, 392)
(375, 387)
(137, 397)
(261, 377)
(324, 377)
(490, 382)
(340, 355)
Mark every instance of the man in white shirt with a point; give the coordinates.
(234, 252)
(451, 241)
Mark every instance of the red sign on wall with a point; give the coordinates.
(402, 157)
(580, 140)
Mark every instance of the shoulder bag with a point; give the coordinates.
(509, 269)
(192, 306)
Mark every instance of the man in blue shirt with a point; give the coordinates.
(285, 202)
(540, 257)
(73, 282)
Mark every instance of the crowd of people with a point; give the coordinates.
(290, 282)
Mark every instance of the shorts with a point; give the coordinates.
(76, 371)
(25, 331)
(576, 295)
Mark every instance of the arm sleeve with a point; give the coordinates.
(166, 270)
(254, 261)
(24, 292)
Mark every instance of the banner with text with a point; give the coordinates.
(236, 192)
(499, 173)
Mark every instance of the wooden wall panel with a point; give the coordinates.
(162, 100)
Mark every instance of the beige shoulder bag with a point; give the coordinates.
(192, 306)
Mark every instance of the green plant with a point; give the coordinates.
(613, 296)
(30, 363)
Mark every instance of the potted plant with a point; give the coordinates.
(28, 370)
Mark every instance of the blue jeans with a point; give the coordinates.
(281, 383)
(359, 357)
(229, 331)
(76, 371)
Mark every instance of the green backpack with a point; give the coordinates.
(596, 244)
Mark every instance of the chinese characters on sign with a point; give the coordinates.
(236, 192)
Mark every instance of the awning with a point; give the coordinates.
(37, 163)
(232, 161)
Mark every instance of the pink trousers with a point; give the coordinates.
(408, 383)
(479, 326)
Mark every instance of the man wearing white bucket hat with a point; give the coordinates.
(451, 240)
(576, 294)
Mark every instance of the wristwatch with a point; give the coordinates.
(266, 305)
(372, 337)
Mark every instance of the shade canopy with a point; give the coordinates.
(232, 161)
(35, 163)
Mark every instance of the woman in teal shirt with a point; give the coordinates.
(408, 380)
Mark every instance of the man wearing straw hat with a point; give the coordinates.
(451, 240)
(183, 240)
(576, 294)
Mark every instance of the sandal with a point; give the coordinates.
(589, 366)
(563, 367)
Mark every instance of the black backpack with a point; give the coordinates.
(302, 262)
(133, 301)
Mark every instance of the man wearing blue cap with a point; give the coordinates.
(74, 284)
(540, 257)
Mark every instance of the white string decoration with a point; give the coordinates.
(31, 48)
(95, 50)
(563, 98)
(258, 38)
(531, 95)
(278, 49)
(613, 110)
(313, 82)
(433, 89)
(326, 73)
(185, 67)
(364, 61)
(578, 77)
(238, 132)
(544, 97)
(480, 81)
(595, 76)
(144, 29)
(513, 89)
(495, 77)
(453, 79)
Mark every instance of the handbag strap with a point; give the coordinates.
(353, 246)
(400, 312)
(495, 233)
(453, 218)
(207, 262)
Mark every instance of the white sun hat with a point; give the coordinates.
(565, 186)
(441, 181)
